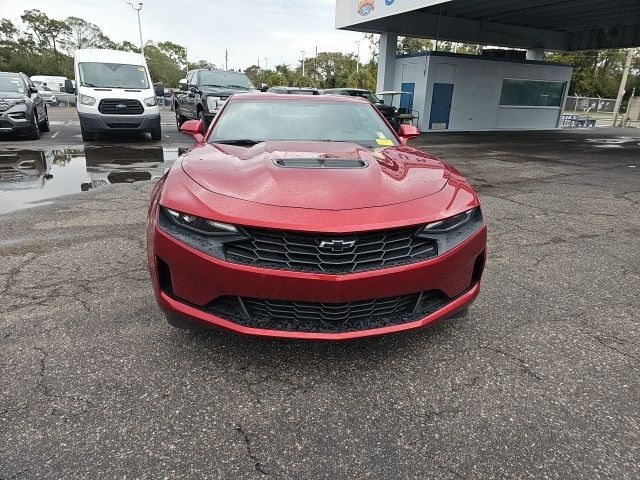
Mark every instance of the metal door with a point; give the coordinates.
(406, 99)
(441, 105)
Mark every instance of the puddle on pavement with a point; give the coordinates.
(32, 177)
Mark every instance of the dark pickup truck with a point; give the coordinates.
(388, 111)
(204, 91)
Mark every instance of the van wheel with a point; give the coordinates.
(86, 136)
(35, 128)
(156, 135)
(44, 126)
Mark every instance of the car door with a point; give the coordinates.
(39, 105)
(183, 98)
(192, 98)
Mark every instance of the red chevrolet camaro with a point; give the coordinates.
(308, 217)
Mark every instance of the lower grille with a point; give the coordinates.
(123, 125)
(327, 317)
(332, 254)
(120, 107)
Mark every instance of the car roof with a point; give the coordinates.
(288, 98)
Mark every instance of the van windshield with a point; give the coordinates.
(113, 75)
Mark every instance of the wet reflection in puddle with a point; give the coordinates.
(31, 177)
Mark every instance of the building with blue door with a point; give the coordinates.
(447, 91)
(459, 93)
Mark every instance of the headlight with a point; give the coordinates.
(452, 231)
(150, 102)
(200, 225)
(53, 98)
(213, 103)
(87, 100)
(15, 101)
(450, 223)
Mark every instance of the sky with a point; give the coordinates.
(249, 29)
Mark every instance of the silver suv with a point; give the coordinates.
(22, 109)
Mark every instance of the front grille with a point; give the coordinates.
(332, 254)
(120, 107)
(327, 317)
(123, 125)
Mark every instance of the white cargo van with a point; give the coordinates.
(115, 93)
(52, 82)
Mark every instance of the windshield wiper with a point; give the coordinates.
(238, 141)
(91, 85)
(238, 86)
(212, 85)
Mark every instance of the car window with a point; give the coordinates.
(113, 75)
(12, 82)
(364, 94)
(305, 120)
(222, 79)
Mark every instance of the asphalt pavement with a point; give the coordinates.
(65, 132)
(541, 380)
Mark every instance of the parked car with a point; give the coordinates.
(22, 109)
(115, 94)
(54, 82)
(388, 111)
(310, 218)
(204, 91)
(294, 90)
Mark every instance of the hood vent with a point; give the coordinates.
(320, 163)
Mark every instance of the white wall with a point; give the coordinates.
(476, 92)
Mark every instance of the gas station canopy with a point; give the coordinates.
(532, 24)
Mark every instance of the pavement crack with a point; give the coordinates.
(42, 372)
(247, 442)
(524, 365)
(611, 347)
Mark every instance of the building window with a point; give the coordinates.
(531, 93)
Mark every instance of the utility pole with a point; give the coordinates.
(626, 113)
(358, 64)
(623, 85)
(266, 63)
(315, 63)
(226, 59)
(302, 51)
(139, 24)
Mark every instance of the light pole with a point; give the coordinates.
(302, 51)
(358, 64)
(137, 9)
(266, 63)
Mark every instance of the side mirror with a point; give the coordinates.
(183, 84)
(68, 87)
(264, 87)
(33, 90)
(159, 90)
(407, 132)
(193, 89)
(195, 128)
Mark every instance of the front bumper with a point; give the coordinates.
(190, 284)
(96, 123)
(15, 120)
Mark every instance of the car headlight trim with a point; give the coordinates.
(87, 100)
(200, 225)
(150, 102)
(449, 224)
(15, 101)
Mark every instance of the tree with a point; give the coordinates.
(176, 52)
(162, 67)
(47, 30)
(82, 34)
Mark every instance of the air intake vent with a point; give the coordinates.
(320, 163)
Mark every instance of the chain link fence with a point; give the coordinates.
(595, 111)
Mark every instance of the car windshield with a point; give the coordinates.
(113, 75)
(225, 80)
(11, 83)
(251, 121)
(364, 94)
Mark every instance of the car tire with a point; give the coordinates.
(182, 325)
(203, 118)
(86, 135)
(35, 128)
(44, 125)
(156, 135)
(180, 119)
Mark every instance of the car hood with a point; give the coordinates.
(223, 92)
(385, 176)
(11, 95)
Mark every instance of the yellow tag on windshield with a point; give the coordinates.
(384, 141)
